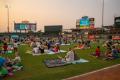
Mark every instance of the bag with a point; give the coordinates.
(76, 57)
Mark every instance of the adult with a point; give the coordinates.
(70, 55)
(5, 47)
(15, 45)
(114, 52)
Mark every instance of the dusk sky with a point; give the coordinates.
(63, 12)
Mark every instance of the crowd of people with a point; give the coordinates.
(9, 65)
(41, 45)
(112, 51)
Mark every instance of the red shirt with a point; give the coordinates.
(5, 47)
(97, 50)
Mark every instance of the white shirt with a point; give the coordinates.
(38, 44)
(70, 56)
(16, 45)
(35, 50)
(17, 58)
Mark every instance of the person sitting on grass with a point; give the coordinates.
(8, 62)
(108, 55)
(56, 48)
(118, 50)
(5, 47)
(17, 62)
(41, 48)
(0, 49)
(69, 56)
(80, 46)
(15, 46)
(36, 50)
(17, 57)
(115, 52)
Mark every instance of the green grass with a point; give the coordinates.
(34, 68)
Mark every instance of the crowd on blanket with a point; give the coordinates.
(112, 50)
(9, 65)
(40, 45)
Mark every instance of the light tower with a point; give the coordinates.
(7, 7)
(102, 13)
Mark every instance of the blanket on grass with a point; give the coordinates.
(51, 52)
(59, 62)
(65, 44)
(46, 52)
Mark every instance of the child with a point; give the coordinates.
(97, 51)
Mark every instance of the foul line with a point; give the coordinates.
(92, 72)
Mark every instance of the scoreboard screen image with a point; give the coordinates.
(85, 22)
(23, 26)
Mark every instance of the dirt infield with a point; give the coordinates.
(110, 73)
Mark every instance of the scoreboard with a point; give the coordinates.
(85, 23)
(25, 26)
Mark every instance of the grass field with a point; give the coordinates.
(34, 68)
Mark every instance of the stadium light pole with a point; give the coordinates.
(7, 7)
(102, 13)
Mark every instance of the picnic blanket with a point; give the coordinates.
(29, 52)
(46, 52)
(51, 52)
(59, 62)
(65, 44)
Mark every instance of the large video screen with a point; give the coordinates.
(22, 26)
(84, 22)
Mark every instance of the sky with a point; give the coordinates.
(57, 12)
